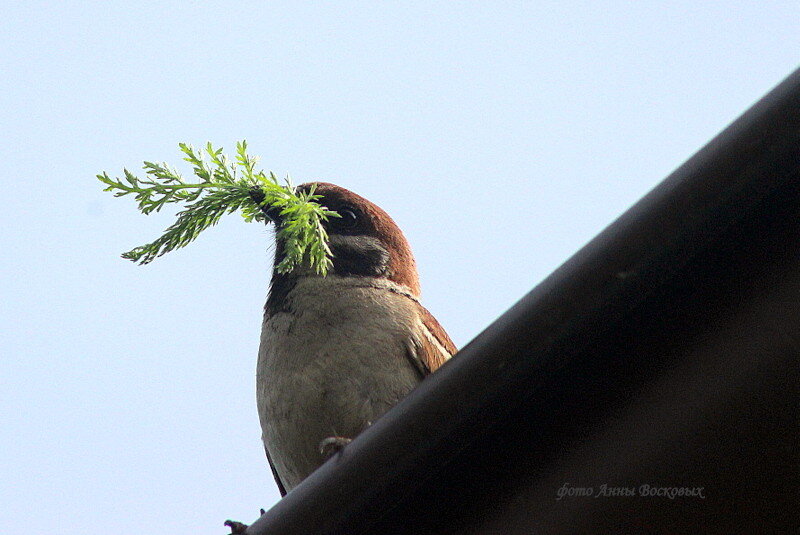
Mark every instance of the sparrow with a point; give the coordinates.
(338, 351)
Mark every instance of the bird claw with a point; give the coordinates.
(237, 528)
(328, 447)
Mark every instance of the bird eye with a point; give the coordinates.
(347, 220)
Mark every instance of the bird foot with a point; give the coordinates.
(328, 447)
(237, 528)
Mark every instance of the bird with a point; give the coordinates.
(338, 351)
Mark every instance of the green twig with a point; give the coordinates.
(226, 187)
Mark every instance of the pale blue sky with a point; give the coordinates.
(501, 136)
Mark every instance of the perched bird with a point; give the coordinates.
(339, 351)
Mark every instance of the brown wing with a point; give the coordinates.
(275, 474)
(433, 347)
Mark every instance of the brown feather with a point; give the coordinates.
(436, 347)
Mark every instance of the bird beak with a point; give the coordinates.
(272, 213)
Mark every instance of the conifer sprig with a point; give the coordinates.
(224, 187)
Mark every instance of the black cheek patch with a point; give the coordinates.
(368, 262)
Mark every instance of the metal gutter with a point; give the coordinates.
(663, 353)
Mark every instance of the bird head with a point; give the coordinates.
(364, 239)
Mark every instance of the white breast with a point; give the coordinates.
(332, 365)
